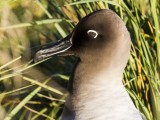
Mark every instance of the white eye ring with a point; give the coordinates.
(92, 33)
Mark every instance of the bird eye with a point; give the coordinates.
(92, 33)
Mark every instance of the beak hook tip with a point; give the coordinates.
(38, 57)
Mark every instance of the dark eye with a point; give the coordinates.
(92, 33)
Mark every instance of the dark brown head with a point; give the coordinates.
(100, 37)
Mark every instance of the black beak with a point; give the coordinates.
(59, 48)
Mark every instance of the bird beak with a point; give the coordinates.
(59, 48)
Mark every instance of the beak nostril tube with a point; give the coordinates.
(102, 42)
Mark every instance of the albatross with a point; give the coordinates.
(102, 43)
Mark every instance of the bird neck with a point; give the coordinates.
(100, 96)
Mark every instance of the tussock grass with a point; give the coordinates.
(25, 24)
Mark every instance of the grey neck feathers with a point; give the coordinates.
(100, 95)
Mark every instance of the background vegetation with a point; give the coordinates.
(30, 91)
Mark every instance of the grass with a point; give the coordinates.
(36, 91)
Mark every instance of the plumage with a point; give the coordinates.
(102, 43)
